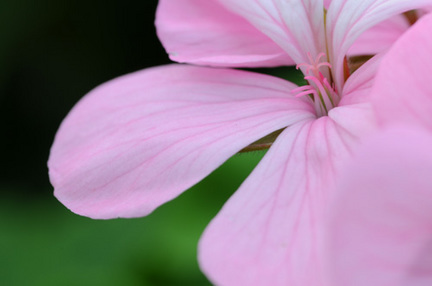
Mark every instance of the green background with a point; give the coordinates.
(42, 243)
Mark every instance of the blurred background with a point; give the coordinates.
(51, 54)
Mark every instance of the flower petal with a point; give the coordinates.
(357, 120)
(347, 20)
(380, 226)
(140, 140)
(268, 232)
(205, 33)
(380, 37)
(403, 89)
(358, 87)
(296, 26)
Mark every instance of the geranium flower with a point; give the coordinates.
(380, 226)
(142, 139)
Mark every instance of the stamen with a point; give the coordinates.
(304, 90)
(325, 100)
(314, 65)
(334, 96)
(308, 67)
(321, 92)
(320, 55)
(324, 64)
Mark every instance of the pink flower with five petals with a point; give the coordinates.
(140, 140)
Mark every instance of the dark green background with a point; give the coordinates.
(51, 54)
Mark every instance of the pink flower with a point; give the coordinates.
(142, 139)
(380, 227)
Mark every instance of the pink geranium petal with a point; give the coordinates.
(205, 33)
(296, 26)
(347, 20)
(140, 140)
(268, 232)
(380, 224)
(380, 37)
(403, 90)
(358, 87)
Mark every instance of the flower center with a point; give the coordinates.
(320, 90)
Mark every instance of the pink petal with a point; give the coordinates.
(358, 87)
(380, 226)
(347, 20)
(296, 26)
(403, 90)
(140, 140)
(205, 33)
(354, 121)
(380, 37)
(268, 232)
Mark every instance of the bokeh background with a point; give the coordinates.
(51, 54)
